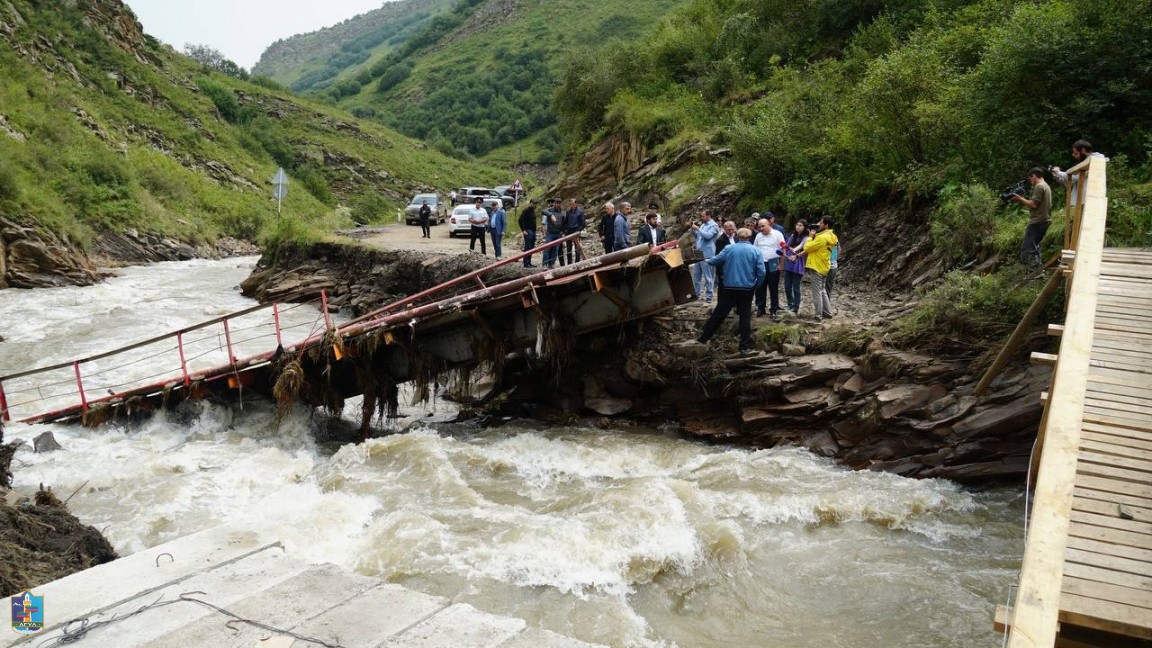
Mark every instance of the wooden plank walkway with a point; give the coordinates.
(1107, 583)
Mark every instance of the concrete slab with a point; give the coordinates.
(373, 617)
(106, 586)
(252, 577)
(459, 626)
(282, 606)
(223, 587)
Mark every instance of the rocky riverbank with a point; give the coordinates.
(40, 540)
(833, 388)
(35, 257)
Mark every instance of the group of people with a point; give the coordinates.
(742, 267)
(487, 221)
(1039, 204)
(560, 219)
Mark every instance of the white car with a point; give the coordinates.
(458, 222)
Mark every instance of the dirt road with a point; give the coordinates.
(398, 236)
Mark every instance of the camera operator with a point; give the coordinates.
(1040, 204)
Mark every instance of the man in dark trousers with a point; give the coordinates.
(606, 227)
(743, 267)
(651, 232)
(478, 219)
(573, 222)
(553, 230)
(425, 219)
(727, 237)
(527, 224)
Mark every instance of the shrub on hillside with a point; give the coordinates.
(964, 311)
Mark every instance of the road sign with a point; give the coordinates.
(279, 187)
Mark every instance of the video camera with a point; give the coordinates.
(1017, 189)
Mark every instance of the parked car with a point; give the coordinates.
(458, 222)
(439, 209)
(506, 194)
(468, 194)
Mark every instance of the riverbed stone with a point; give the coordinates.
(608, 406)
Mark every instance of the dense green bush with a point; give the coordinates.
(965, 310)
(832, 105)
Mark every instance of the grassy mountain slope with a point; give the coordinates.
(317, 60)
(102, 128)
(481, 77)
(921, 108)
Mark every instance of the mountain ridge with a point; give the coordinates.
(103, 129)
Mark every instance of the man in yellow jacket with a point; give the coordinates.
(818, 250)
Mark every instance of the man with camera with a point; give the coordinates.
(1040, 205)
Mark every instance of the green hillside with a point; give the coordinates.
(834, 107)
(320, 59)
(481, 77)
(102, 127)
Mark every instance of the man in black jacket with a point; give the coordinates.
(527, 224)
(650, 231)
(607, 227)
(573, 222)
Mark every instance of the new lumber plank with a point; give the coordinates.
(1104, 575)
(1116, 563)
(1118, 523)
(1037, 609)
(1114, 593)
(1121, 551)
(1088, 612)
(1110, 508)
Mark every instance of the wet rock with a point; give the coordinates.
(34, 258)
(792, 349)
(691, 349)
(1002, 420)
(902, 398)
(46, 442)
(852, 386)
(608, 406)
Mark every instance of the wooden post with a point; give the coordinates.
(1020, 333)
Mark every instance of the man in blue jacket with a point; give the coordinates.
(743, 270)
(496, 225)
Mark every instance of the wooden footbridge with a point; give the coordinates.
(1086, 579)
(290, 352)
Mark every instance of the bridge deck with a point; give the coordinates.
(1107, 583)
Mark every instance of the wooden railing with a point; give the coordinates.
(1035, 615)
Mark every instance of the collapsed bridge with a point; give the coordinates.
(295, 352)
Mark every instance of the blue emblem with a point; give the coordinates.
(27, 613)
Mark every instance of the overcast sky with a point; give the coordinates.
(241, 29)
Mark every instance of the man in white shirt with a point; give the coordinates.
(478, 219)
(770, 242)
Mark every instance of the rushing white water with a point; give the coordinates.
(618, 537)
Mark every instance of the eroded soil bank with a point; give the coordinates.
(40, 540)
(866, 406)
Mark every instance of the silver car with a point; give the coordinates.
(439, 209)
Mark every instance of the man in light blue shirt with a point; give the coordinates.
(706, 232)
(497, 223)
(622, 238)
